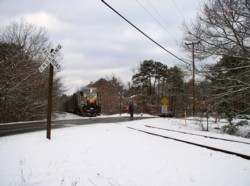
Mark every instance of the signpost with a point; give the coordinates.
(50, 60)
(164, 105)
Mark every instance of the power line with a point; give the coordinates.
(176, 6)
(151, 15)
(160, 16)
(144, 33)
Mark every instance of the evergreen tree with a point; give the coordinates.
(230, 81)
(155, 81)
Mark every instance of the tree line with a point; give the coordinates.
(222, 88)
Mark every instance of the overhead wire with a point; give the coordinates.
(177, 7)
(163, 19)
(151, 15)
(182, 60)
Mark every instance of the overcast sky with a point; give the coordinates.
(97, 42)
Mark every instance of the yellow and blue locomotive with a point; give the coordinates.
(84, 102)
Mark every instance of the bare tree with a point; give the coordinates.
(23, 89)
(223, 28)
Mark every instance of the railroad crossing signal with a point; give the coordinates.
(50, 58)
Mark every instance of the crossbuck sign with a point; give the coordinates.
(50, 58)
(51, 61)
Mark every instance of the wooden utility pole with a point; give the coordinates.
(49, 111)
(193, 70)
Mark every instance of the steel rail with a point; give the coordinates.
(244, 156)
(205, 136)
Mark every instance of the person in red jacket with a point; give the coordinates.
(131, 109)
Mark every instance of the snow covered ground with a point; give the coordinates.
(114, 155)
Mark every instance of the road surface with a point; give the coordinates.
(24, 127)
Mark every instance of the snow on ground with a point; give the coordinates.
(196, 137)
(112, 155)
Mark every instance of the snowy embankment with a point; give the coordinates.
(112, 154)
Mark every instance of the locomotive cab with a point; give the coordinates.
(89, 105)
(84, 102)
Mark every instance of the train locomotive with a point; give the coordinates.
(84, 102)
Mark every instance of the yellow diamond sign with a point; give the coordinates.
(164, 101)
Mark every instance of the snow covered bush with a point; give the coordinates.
(237, 128)
(229, 129)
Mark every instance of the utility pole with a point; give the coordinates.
(193, 70)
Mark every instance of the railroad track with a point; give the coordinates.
(211, 147)
(205, 136)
